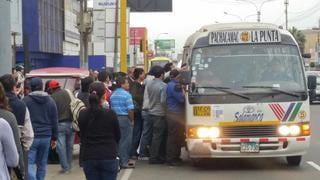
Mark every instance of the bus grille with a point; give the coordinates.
(249, 131)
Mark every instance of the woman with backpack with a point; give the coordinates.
(100, 135)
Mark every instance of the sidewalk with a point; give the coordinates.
(76, 172)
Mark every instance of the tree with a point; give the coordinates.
(299, 36)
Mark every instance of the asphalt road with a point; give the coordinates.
(223, 169)
(239, 169)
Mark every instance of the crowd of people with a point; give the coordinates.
(128, 116)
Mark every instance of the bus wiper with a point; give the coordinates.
(276, 89)
(225, 90)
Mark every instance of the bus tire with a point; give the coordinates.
(196, 162)
(294, 160)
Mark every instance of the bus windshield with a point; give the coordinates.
(248, 68)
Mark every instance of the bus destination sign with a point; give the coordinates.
(244, 37)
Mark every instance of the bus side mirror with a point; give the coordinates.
(185, 77)
(307, 55)
(312, 82)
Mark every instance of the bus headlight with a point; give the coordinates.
(289, 130)
(202, 132)
(295, 130)
(284, 130)
(212, 132)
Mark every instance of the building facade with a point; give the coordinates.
(51, 36)
(312, 43)
(5, 45)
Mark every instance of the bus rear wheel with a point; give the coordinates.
(196, 162)
(294, 160)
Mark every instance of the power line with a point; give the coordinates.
(306, 13)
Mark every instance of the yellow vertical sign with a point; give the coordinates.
(145, 49)
(123, 36)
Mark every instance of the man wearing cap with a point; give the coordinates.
(44, 118)
(65, 133)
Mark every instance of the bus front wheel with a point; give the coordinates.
(196, 162)
(294, 160)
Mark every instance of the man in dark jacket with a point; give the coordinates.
(137, 91)
(21, 114)
(84, 93)
(44, 118)
(175, 119)
(65, 134)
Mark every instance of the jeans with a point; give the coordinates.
(38, 155)
(125, 140)
(159, 135)
(146, 134)
(101, 169)
(176, 137)
(137, 131)
(65, 145)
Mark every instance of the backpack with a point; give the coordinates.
(76, 105)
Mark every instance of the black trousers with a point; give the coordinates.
(176, 135)
(158, 144)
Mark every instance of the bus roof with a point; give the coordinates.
(59, 71)
(204, 30)
(160, 59)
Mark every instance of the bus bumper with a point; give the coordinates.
(230, 148)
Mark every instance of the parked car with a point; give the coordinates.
(69, 78)
(314, 94)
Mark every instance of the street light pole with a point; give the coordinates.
(244, 19)
(234, 15)
(258, 9)
(286, 3)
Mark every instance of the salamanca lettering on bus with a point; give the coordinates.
(248, 117)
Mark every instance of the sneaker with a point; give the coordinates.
(64, 171)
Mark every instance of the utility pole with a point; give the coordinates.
(116, 36)
(123, 36)
(14, 46)
(145, 49)
(286, 4)
(134, 48)
(85, 28)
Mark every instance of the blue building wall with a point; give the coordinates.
(30, 23)
(43, 25)
(42, 60)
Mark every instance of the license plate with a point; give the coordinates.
(201, 111)
(251, 147)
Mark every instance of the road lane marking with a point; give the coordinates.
(126, 175)
(316, 166)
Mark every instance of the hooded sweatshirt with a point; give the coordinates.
(43, 114)
(18, 107)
